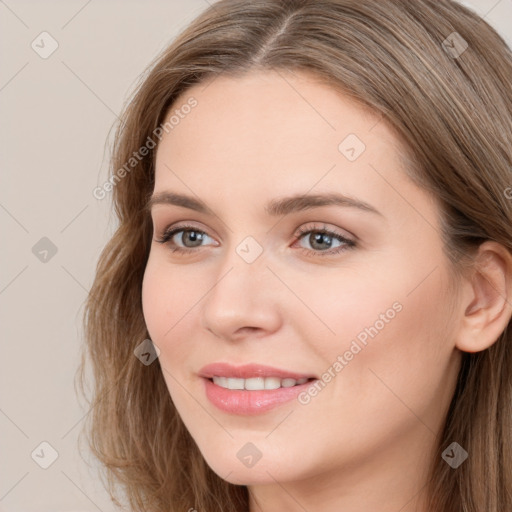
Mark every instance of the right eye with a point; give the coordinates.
(185, 234)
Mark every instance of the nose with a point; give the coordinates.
(244, 300)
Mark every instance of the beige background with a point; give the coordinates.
(57, 113)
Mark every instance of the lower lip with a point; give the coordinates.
(243, 402)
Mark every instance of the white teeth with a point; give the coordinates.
(235, 383)
(222, 381)
(257, 383)
(272, 383)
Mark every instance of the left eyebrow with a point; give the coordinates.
(276, 207)
(300, 202)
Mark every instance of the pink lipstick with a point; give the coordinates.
(251, 389)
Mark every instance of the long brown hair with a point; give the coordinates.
(442, 78)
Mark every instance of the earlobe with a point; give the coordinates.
(487, 306)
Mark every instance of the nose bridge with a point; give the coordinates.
(244, 265)
(241, 296)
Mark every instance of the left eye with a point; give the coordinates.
(322, 240)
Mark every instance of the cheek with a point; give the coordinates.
(170, 307)
(163, 306)
(392, 323)
(163, 300)
(153, 301)
(345, 306)
(407, 361)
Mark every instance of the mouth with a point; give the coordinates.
(251, 389)
(258, 383)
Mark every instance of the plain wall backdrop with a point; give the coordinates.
(57, 111)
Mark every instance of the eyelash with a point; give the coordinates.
(348, 244)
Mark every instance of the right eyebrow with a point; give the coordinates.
(177, 200)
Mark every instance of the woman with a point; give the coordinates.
(306, 304)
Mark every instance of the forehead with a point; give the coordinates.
(266, 120)
(277, 133)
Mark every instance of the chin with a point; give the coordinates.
(261, 474)
(244, 464)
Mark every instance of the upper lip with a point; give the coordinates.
(247, 371)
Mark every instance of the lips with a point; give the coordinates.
(251, 389)
(248, 371)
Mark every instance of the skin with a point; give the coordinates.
(364, 442)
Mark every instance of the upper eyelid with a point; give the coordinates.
(344, 232)
(185, 227)
(324, 227)
(298, 233)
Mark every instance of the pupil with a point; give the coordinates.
(194, 236)
(321, 238)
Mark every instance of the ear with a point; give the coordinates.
(486, 299)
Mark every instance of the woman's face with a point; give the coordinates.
(271, 289)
